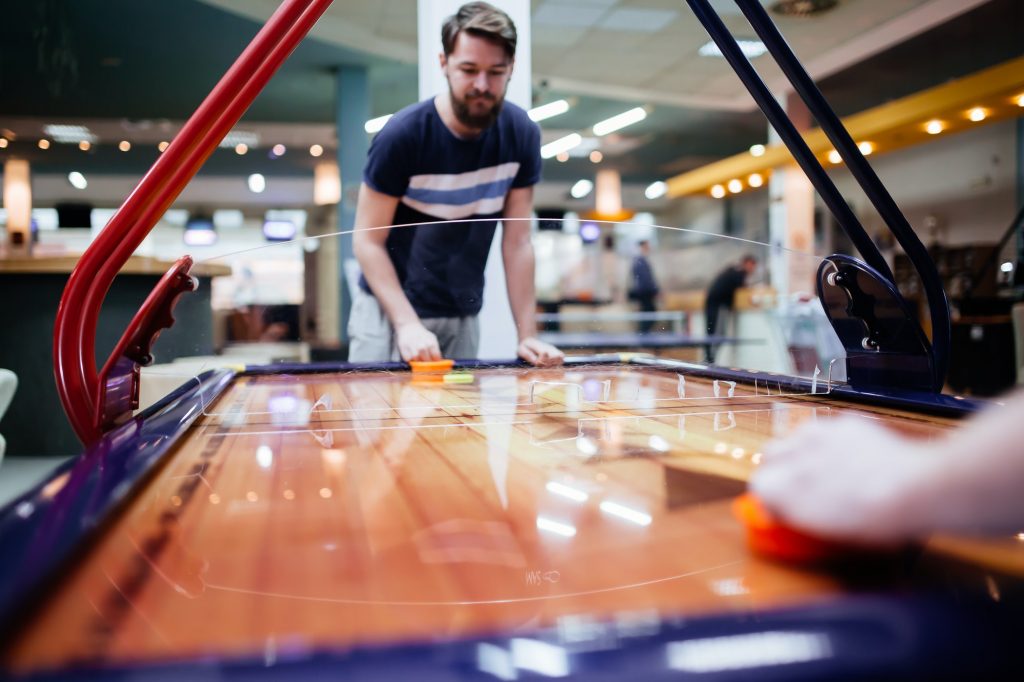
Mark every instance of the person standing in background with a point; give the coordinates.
(721, 298)
(643, 288)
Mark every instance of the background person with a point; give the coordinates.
(721, 299)
(643, 288)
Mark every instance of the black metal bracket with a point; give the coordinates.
(885, 346)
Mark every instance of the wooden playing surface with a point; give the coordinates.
(333, 510)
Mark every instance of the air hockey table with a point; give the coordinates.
(532, 522)
(510, 522)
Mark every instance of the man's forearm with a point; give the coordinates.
(383, 280)
(519, 278)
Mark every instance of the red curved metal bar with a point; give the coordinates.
(78, 313)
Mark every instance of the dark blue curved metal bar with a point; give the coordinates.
(789, 134)
(926, 636)
(876, 192)
(46, 526)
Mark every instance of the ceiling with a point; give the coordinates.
(136, 70)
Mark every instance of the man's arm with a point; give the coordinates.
(375, 211)
(517, 253)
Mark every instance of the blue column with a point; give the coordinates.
(352, 110)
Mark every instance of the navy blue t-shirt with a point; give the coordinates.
(438, 176)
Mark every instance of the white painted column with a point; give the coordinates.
(497, 329)
(791, 216)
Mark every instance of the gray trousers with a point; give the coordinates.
(372, 339)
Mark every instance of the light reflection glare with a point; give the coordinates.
(729, 587)
(658, 443)
(566, 491)
(282, 404)
(624, 512)
(756, 650)
(586, 446)
(495, 661)
(558, 528)
(264, 456)
(540, 657)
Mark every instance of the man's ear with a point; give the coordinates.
(442, 59)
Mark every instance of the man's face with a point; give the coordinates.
(478, 72)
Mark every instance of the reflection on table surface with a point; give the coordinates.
(340, 509)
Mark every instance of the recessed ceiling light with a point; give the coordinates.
(934, 127)
(241, 148)
(627, 118)
(718, 191)
(163, 146)
(68, 134)
(316, 150)
(977, 114)
(562, 157)
(1020, 100)
(751, 48)
(562, 144)
(44, 143)
(834, 157)
(278, 150)
(548, 110)
(755, 180)
(866, 148)
(735, 186)
(3, 143)
(757, 150)
(84, 145)
(77, 180)
(581, 189)
(656, 190)
(124, 145)
(257, 183)
(236, 137)
(374, 125)
(596, 156)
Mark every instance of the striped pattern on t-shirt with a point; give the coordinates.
(453, 196)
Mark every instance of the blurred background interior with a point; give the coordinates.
(94, 90)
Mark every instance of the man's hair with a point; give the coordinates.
(749, 258)
(482, 20)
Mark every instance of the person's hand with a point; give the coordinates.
(851, 479)
(416, 342)
(536, 352)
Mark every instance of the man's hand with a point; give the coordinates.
(416, 342)
(536, 352)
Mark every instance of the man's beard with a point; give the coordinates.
(476, 121)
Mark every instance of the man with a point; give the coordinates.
(643, 288)
(463, 155)
(721, 297)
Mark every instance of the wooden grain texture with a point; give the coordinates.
(333, 510)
